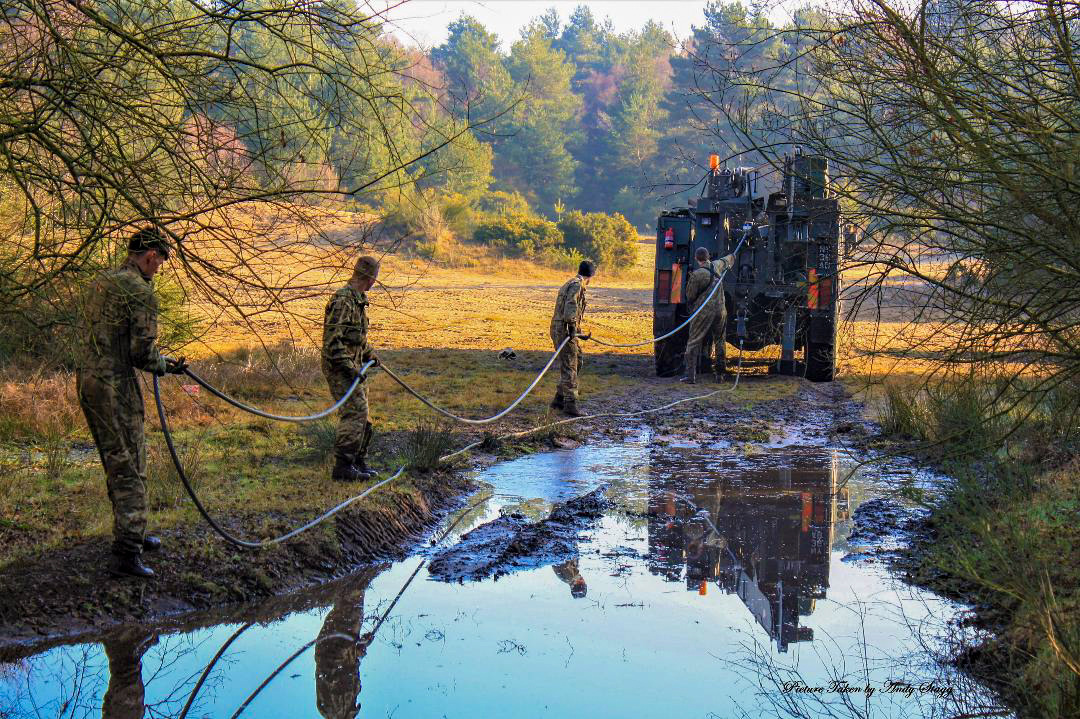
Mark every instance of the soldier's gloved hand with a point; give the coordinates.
(176, 366)
(729, 261)
(161, 368)
(585, 336)
(374, 358)
(571, 329)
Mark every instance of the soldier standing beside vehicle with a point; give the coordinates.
(565, 322)
(345, 349)
(120, 331)
(713, 317)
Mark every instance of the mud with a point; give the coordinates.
(512, 543)
(69, 592)
(882, 528)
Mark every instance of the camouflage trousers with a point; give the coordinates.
(709, 320)
(569, 366)
(113, 407)
(350, 443)
(125, 696)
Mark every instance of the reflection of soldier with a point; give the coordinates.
(345, 348)
(120, 330)
(712, 318)
(338, 651)
(566, 322)
(569, 573)
(124, 699)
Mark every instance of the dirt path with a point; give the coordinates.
(68, 592)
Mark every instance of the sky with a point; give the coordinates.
(423, 22)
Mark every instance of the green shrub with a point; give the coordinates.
(609, 240)
(903, 414)
(529, 235)
(503, 203)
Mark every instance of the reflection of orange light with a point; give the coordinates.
(807, 509)
(714, 162)
(703, 588)
(669, 507)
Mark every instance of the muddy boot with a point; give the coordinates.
(691, 371)
(557, 403)
(359, 465)
(130, 565)
(570, 408)
(362, 471)
(151, 543)
(345, 471)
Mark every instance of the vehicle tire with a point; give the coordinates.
(669, 358)
(820, 361)
(669, 352)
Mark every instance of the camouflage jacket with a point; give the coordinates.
(345, 344)
(569, 306)
(700, 282)
(119, 324)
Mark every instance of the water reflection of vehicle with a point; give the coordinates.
(763, 534)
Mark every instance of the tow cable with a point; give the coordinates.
(249, 544)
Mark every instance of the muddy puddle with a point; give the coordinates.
(700, 583)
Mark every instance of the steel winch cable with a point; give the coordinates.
(718, 282)
(485, 420)
(225, 534)
(283, 418)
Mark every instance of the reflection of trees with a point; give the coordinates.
(764, 534)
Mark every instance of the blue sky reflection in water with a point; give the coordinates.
(712, 579)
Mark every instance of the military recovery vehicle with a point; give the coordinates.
(784, 287)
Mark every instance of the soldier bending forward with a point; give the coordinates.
(565, 322)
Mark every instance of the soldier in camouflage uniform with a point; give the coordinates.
(345, 349)
(120, 329)
(565, 322)
(712, 318)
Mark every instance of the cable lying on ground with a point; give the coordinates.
(485, 420)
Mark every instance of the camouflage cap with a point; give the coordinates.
(146, 239)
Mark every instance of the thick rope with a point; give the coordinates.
(232, 539)
(485, 420)
(717, 284)
(582, 418)
(281, 418)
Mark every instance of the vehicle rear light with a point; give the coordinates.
(812, 289)
(676, 283)
(824, 295)
(663, 286)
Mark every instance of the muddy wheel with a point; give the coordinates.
(669, 352)
(669, 357)
(820, 361)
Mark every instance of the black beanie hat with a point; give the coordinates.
(586, 269)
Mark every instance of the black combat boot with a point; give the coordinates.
(557, 403)
(570, 408)
(151, 543)
(359, 464)
(130, 565)
(362, 471)
(344, 470)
